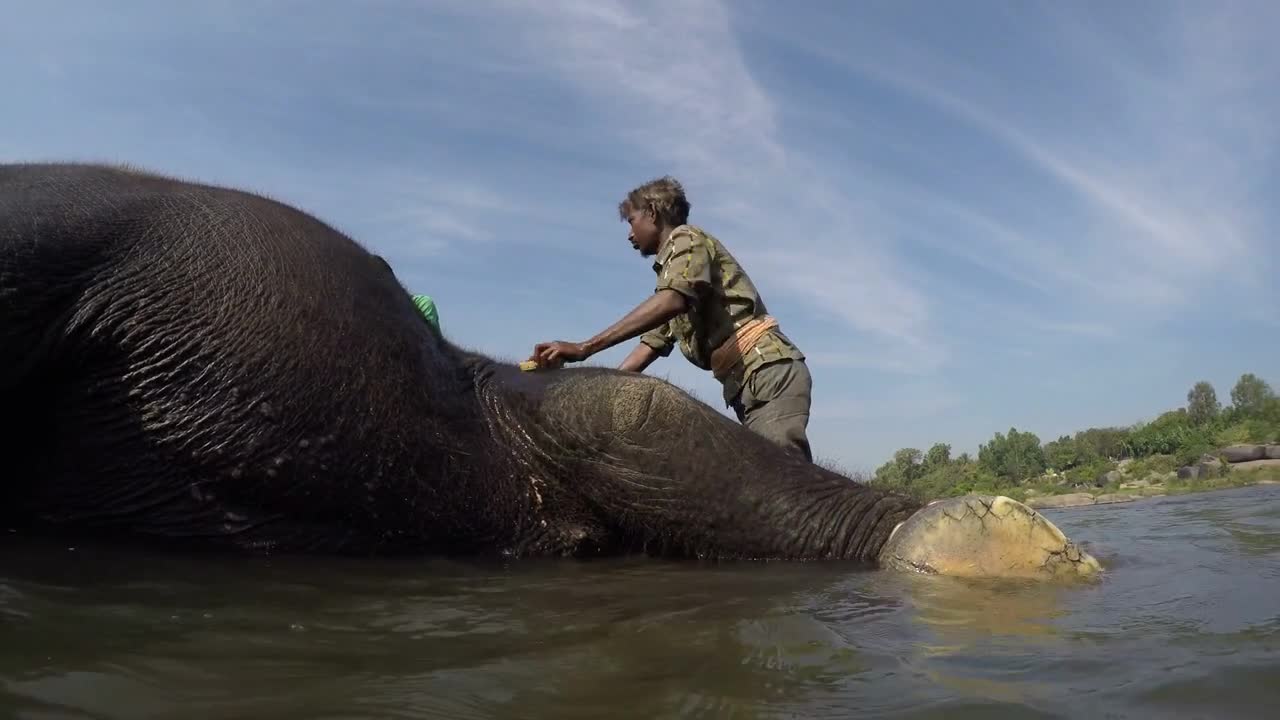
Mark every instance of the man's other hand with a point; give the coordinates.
(639, 359)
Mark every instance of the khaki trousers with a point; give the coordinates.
(775, 403)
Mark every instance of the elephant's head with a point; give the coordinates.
(669, 475)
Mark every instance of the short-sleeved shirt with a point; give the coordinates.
(721, 299)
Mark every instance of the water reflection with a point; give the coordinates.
(1010, 624)
(962, 611)
(1185, 619)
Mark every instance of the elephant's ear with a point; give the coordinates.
(382, 262)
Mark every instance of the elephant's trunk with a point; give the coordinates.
(674, 477)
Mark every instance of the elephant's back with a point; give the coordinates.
(247, 281)
(230, 340)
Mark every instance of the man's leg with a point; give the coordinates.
(775, 403)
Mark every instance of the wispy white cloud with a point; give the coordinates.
(671, 83)
(910, 402)
(440, 210)
(1167, 194)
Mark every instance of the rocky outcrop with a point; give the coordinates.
(1244, 453)
(1202, 471)
(1070, 500)
(1060, 501)
(1230, 458)
(1254, 464)
(1111, 498)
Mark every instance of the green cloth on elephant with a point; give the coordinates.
(427, 307)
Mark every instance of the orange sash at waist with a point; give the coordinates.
(740, 343)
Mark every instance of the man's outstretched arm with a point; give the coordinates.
(652, 313)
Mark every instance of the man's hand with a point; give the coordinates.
(555, 354)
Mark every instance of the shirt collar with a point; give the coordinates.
(664, 247)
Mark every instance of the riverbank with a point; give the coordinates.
(1200, 441)
(1260, 472)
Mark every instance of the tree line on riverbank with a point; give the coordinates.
(1017, 458)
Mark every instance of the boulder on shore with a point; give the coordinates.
(1273, 452)
(1244, 453)
(1061, 501)
(1069, 500)
(1111, 498)
(1209, 469)
(1255, 464)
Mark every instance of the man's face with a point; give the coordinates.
(644, 235)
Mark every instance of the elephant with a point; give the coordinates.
(200, 366)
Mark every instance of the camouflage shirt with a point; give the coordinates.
(721, 298)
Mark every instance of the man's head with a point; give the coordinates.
(653, 210)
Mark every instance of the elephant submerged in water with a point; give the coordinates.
(205, 366)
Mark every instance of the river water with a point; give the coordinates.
(1186, 624)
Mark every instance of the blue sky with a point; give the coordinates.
(970, 216)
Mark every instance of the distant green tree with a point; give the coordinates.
(1016, 456)
(903, 470)
(1180, 435)
(1102, 442)
(1064, 453)
(1202, 403)
(1250, 396)
(1161, 436)
(938, 456)
(1271, 411)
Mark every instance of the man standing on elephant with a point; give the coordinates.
(705, 301)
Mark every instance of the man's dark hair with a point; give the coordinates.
(662, 198)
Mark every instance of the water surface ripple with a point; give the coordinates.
(1186, 624)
